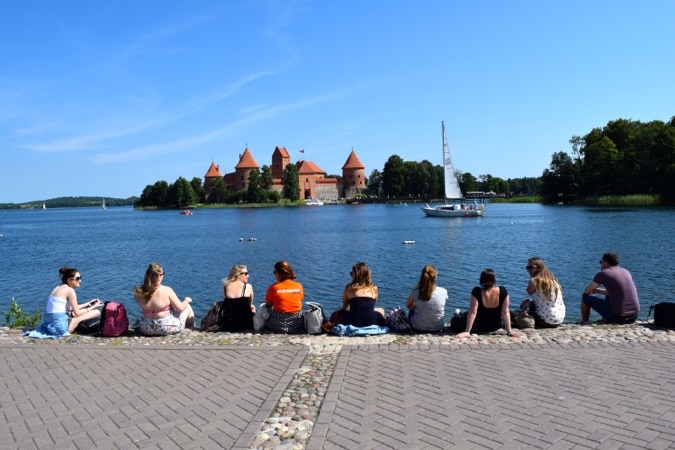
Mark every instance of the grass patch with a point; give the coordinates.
(624, 200)
(518, 199)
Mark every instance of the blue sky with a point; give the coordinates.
(104, 98)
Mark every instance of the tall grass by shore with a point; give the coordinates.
(518, 199)
(624, 200)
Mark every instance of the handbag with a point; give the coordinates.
(664, 314)
(458, 322)
(397, 321)
(211, 321)
(314, 318)
(89, 326)
(524, 320)
(261, 315)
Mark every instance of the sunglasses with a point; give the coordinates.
(244, 273)
(529, 267)
(76, 278)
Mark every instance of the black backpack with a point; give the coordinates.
(664, 314)
(212, 321)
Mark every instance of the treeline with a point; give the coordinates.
(71, 202)
(423, 179)
(624, 158)
(182, 193)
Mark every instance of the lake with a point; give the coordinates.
(113, 247)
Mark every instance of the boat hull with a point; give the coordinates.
(451, 211)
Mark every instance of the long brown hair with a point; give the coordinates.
(362, 277)
(544, 279)
(427, 282)
(150, 281)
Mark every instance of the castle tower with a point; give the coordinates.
(211, 175)
(353, 176)
(280, 159)
(246, 163)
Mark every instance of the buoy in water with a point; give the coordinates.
(408, 242)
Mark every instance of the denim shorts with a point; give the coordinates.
(601, 306)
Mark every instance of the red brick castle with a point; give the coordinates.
(311, 178)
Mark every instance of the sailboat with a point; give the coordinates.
(44, 205)
(452, 191)
(103, 204)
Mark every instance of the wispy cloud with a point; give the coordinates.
(104, 138)
(253, 115)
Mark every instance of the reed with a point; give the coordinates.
(624, 200)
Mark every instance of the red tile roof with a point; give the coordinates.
(214, 171)
(353, 162)
(283, 151)
(308, 168)
(247, 161)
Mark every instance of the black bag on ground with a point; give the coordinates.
(458, 322)
(211, 321)
(664, 314)
(89, 326)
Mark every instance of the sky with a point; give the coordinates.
(105, 98)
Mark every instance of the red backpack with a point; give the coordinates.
(114, 320)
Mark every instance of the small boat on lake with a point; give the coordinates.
(313, 202)
(103, 204)
(452, 191)
(185, 212)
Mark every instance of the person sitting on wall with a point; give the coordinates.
(621, 304)
(285, 297)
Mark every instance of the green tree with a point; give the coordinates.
(374, 183)
(180, 194)
(266, 178)
(467, 182)
(256, 193)
(290, 183)
(559, 182)
(198, 188)
(218, 191)
(393, 177)
(154, 195)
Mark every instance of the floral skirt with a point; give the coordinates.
(173, 323)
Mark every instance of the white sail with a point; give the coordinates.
(103, 204)
(452, 190)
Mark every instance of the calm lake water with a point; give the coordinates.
(113, 247)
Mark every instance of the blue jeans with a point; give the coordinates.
(601, 306)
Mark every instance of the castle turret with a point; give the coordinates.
(353, 176)
(242, 170)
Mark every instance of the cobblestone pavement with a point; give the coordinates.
(574, 387)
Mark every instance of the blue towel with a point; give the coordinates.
(350, 330)
(54, 327)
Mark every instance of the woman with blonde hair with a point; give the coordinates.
(237, 309)
(547, 304)
(163, 312)
(426, 302)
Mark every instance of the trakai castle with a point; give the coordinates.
(312, 179)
